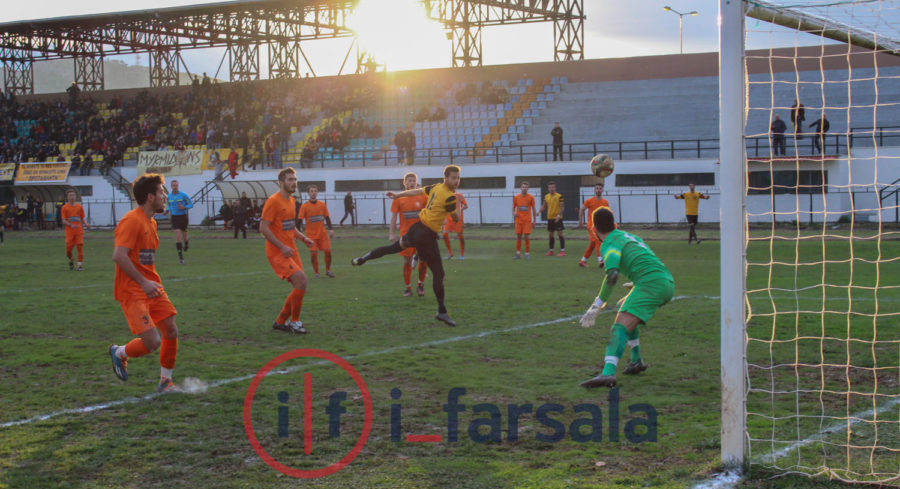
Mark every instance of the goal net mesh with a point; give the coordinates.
(823, 250)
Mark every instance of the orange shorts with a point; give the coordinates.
(594, 238)
(144, 314)
(408, 252)
(74, 238)
(285, 267)
(322, 243)
(453, 227)
(523, 227)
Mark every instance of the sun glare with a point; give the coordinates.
(399, 35)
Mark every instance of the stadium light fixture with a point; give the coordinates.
(680, 15)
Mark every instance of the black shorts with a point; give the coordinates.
(180, 222)
(555, 225)
(691, 219)
(425, 242)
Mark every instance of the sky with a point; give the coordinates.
(612, 29)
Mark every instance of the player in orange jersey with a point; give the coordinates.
(278, 224)
(315, 212)
(407, 209)
(138, 288)
(524, 213)
(590, 205)
(72, 216)
(451, 226)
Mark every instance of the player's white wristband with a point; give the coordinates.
(599, 303)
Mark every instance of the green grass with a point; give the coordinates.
(57, 324)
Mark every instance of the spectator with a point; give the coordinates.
(400, 143)
(233, 163)
(349, 206)
(777, 128)
(798, 116)
(822, 126)
(557, 133)
(224, 214)
(410, 141)
(422, 115)
(239, 213)
(87, 165)
(73, 92)
(308, 154)
(216, 163)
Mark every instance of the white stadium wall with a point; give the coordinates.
(654, 204)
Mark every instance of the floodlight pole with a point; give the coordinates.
(680, 25)
(732, 247)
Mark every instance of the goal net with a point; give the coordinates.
(822, 255)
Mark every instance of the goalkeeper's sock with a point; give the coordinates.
(552, 243)
(615, 349)
(562, 243)
(635, 344)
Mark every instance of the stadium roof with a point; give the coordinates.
(93, 20)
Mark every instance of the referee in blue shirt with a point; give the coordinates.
(178, 205)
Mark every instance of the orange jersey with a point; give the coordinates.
(524, 205)
(314, 213)
(592, 204)
(72, 214)
(408, 208)
(460, 204)
(137, 232)
(280, 214)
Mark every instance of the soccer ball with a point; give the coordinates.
(602, 165)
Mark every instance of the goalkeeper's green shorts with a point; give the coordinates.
(646, 297)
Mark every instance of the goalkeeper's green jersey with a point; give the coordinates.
(632, 257)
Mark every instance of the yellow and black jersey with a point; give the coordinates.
(691, 202)
(441, 203)
(554, 205)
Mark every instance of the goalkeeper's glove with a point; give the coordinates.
(591, 315)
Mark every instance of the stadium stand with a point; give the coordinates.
(476, 115)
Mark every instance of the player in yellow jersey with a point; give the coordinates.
(553, 202)
(423, 234)
(691, 207)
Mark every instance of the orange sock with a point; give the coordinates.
(314, 257)
(587, 252)
(80, 252)
(518, 245)
(167, 352)
(327, 261)
(296, 303)
(136, 348)
(447, 243)
(423, 271)
(285, 310)
(527, 245)
(462, 245)
(407, 272)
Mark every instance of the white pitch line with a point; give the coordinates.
(242, 378)
(835, 428)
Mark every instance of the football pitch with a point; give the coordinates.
(500, 389)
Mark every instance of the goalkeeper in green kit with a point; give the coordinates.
(626, 254)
